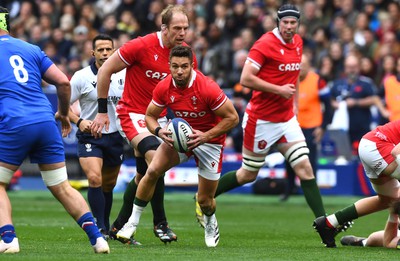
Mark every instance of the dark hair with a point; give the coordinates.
(7, 17)
(181, 51)
(288, 10)
(102, 37)
(168, 12)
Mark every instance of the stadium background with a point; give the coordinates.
(221, 33)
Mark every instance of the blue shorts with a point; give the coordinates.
(110, 147)
(42, 142)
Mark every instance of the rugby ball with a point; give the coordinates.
(180, 130)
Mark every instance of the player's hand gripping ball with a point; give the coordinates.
(180, 133)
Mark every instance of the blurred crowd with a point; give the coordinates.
(221, 33)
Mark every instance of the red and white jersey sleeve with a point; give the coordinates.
(195, 103)
(278, 63)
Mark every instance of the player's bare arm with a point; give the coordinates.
(83, 125)
(112, 65)
(152, 114)
(55, 76)
(229, 120)
(250, 80)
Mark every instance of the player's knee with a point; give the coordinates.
(304, 170)
(148, 143)
(94, 179)
(153, 174)
(245, 176)
(54, 177)
(297, 153)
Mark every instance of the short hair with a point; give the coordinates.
(4, 10)
(102, 37)
(168, 12)
(181, 51)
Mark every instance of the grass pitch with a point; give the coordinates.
(251, 227)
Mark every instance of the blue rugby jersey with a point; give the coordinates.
(22, 101)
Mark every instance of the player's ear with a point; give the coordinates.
(93, 53)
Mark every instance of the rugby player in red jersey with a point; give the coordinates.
(272, 70)
(146, 62)
(200, 101)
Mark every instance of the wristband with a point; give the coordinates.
(102, 105)
(157, 130)
(79, 122)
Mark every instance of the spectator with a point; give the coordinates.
(109, 26)
(237, 20)
(310, 18)
(63, 45)
(391, 93)
(80, 36)
(320, 37)
(360, 26)
(128, 24)
(357, 93)
(367, 68)
(325, 68)
(335, 52)
(35, 36)
(91, 17)
(26, 18)
(106, 7)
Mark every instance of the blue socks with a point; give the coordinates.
(87, 223)
(97, 203)
(7, 233)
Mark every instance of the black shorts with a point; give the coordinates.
(110, 147)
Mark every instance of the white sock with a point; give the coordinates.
(136, 214)
(333, 220)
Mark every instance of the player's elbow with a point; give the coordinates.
(233, 119)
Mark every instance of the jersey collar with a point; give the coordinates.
(278, 35)
(160, 39)
(94, 68)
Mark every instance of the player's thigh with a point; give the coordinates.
(370, 153)
(131, 125)
(91, 166)
(48, 148)
(16, 144)
(167, 158)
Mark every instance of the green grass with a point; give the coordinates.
(251, 227)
